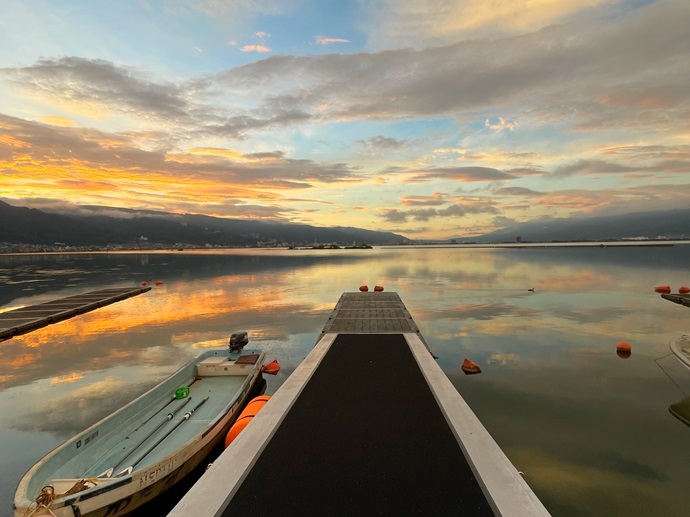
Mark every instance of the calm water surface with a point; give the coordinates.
(591, 431)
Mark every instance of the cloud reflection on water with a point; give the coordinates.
(568, 411)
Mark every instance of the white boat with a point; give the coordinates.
(680, 347)
(144, 448)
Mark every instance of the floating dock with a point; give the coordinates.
(682, 299)
(368, 424)
(26, 319)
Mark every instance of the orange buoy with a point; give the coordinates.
(623, 346)
(684, 290)
(245, 417)
(623, 349)
(143, 283)
(271, 368)
(378, 288)
(663, 288)
(159, 282)
(470, 367)
(364, 288)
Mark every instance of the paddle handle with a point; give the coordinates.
(158, 442)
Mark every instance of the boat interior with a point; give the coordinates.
(153, 426)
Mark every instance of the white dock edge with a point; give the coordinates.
(214, 491)
(505, 489)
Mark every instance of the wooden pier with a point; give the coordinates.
(368, 424)
(26, 319)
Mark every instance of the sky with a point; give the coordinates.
(428, 118)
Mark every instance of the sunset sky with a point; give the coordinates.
(430, 118)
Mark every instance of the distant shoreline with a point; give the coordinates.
(588, 244)
(488, 245)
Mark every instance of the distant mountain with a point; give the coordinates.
(668, 224)
(104, 225)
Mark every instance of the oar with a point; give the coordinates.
(109, 472)
(168, 418)
(173, 399)
(184, 419)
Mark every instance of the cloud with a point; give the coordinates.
(501, 221)
(379, 144)
(593, 167)
(501, 124)
(425, 23)
(259, 47)
(517, 191)
(558, 72)
(107, 169)
(324, 40)
(395, 215)
(436, 199)
(462, 174)
(87, 84)
(681, 165)
(254, 48)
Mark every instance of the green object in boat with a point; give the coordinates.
(182, 393)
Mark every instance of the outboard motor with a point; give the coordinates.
(238, 341)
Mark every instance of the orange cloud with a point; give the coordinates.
(13, 142)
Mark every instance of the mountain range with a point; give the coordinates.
(101, 226)
(662, 224)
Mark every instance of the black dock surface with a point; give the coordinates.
(368, 424)
(365, 437)
(26, 319)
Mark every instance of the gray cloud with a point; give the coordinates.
(518, 191)
(575, 64)
(461, 174)
(382, 143)
(437, 199)
(425, 214)
(102, 83)
(583, 74)
(607, 167)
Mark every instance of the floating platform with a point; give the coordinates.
(26, 319)
(368, 424)
(682, 299)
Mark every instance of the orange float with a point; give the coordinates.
(623, 349)
(245, 417)
(378, 288)
(364, 288)
(271, 368)
(159, 282)
(663, 288)
(143, 284)
(470, 367)
(684, 290)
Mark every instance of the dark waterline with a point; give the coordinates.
(591, 431)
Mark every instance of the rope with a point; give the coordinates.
(45, 499)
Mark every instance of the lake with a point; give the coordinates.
(591, 431)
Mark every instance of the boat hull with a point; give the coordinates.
(118, 497)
